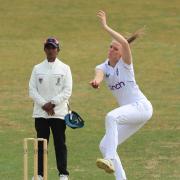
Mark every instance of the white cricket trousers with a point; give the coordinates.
(120, 124)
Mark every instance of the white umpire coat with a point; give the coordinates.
(50, 82)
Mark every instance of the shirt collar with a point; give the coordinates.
(50, 64)
(107, 63)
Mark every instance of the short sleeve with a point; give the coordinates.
(101, 67)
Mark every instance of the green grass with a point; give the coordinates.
(153, 152)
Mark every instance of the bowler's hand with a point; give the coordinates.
(102, 16)
(94, 83)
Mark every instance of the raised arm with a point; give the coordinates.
(126, 52)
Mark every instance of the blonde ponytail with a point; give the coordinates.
(135, 35)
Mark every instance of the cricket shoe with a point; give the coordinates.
(63, 177)
(39, 177)
(105, 164)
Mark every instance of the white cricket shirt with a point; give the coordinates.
(121, 81)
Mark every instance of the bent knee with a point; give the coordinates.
(118, 118)
(110, 117)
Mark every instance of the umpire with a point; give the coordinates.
(50, 87)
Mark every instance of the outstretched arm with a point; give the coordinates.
(99, 76)
(126, 52)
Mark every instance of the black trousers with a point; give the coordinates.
(58, 128)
